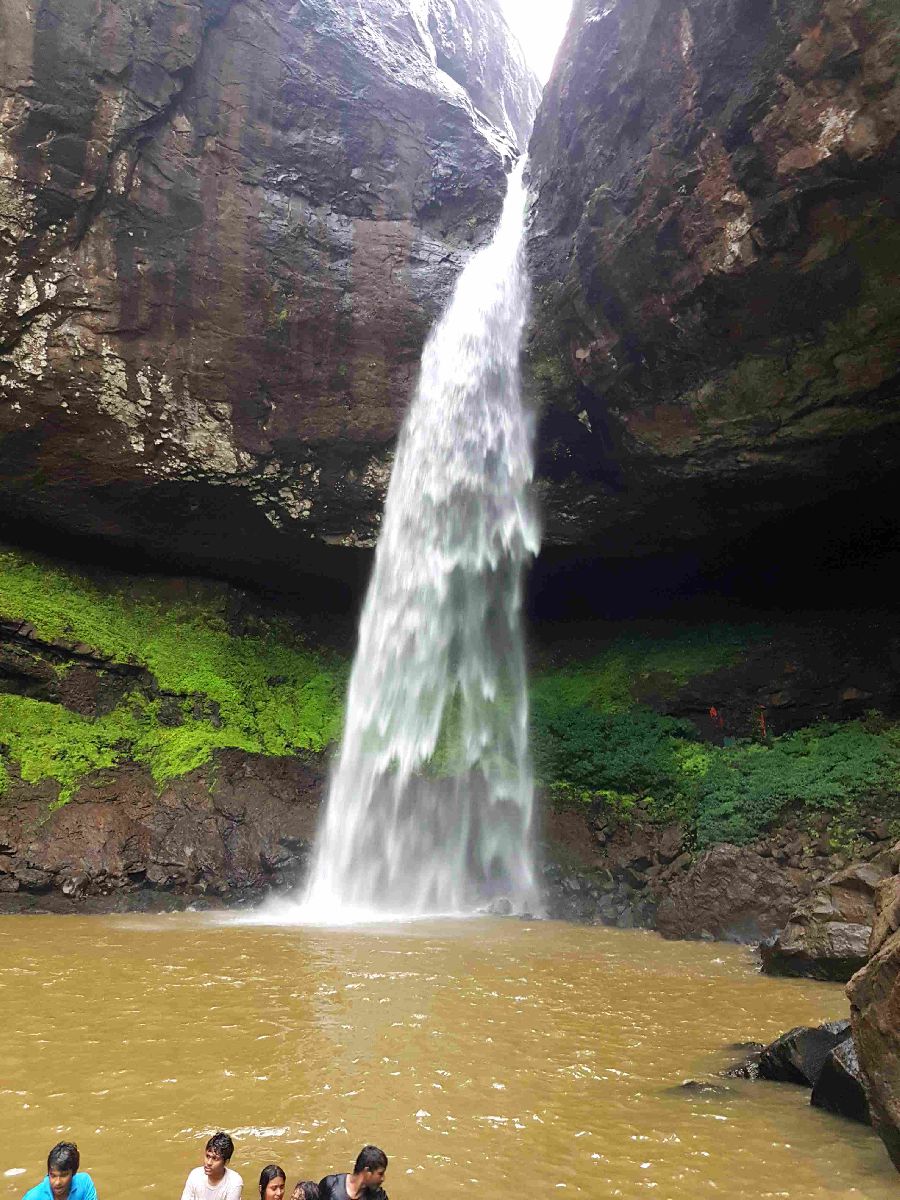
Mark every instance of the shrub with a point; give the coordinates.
(591, 742)
(634, 752)
(821, 768)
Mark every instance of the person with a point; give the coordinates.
(306, 1189)
(363, 1183)
(215, 1180)
(63, 1180)
(272, 1182)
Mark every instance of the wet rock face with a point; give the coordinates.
(225, 229)
(715, 250)
(229, 832)
(828, 935)
(731, 893)
(839, 1088)
(800, 1055)
(875, 1015)
(472, 46)
(822, 1057)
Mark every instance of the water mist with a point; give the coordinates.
(429, 806)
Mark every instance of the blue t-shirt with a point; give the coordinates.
(81, 1188)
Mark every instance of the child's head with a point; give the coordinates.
(272, 1182)
(305, 1190)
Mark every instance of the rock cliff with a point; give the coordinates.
(716, 252)
(875, 1014)
(225, 228)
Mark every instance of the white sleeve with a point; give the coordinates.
(188, 1193)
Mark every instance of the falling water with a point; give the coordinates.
(430, 801)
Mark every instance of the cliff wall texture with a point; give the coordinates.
(225, 228)
(716, 255)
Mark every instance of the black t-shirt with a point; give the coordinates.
(334, 1187)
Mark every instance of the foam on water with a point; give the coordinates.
(429, 808)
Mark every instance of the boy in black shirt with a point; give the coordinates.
(363, 1183)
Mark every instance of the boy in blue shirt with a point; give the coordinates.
(63, 1180)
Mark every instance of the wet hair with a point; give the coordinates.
(63, 1157)
(221, 1145)
(308, 1189)
(370, 1158)
(266, 1175)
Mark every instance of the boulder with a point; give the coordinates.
(875, 1015)
(730, 893)
(839, 1087)
(799, 1055)
(827, 936)
(225, 230)
(715, 248)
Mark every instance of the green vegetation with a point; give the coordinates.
(592, 739)
(261, 690)
(613, 680)
(216, 677)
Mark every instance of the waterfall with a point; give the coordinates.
(429, 805)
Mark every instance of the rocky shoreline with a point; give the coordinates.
(241, 826)
(225, 834)
(635, 873)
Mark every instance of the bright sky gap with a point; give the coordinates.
(539, 25)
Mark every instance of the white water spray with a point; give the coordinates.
(430, 801)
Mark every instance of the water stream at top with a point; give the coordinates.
(429, 807)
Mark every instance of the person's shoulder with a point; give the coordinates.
(196, 1179)
(234, 1180)
(82, 1187)
(39, 1192)
(328, 1184)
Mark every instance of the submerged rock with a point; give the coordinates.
(748, 1067)
(701, 1089)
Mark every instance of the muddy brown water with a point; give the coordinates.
(489, 1058)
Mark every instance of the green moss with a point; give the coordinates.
(593, 742)
(612, 680)
(551, 374)
(48, 742)
(266, 691)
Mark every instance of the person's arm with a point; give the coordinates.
(188, 1193)
(236, 1190)
(88, 1191)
